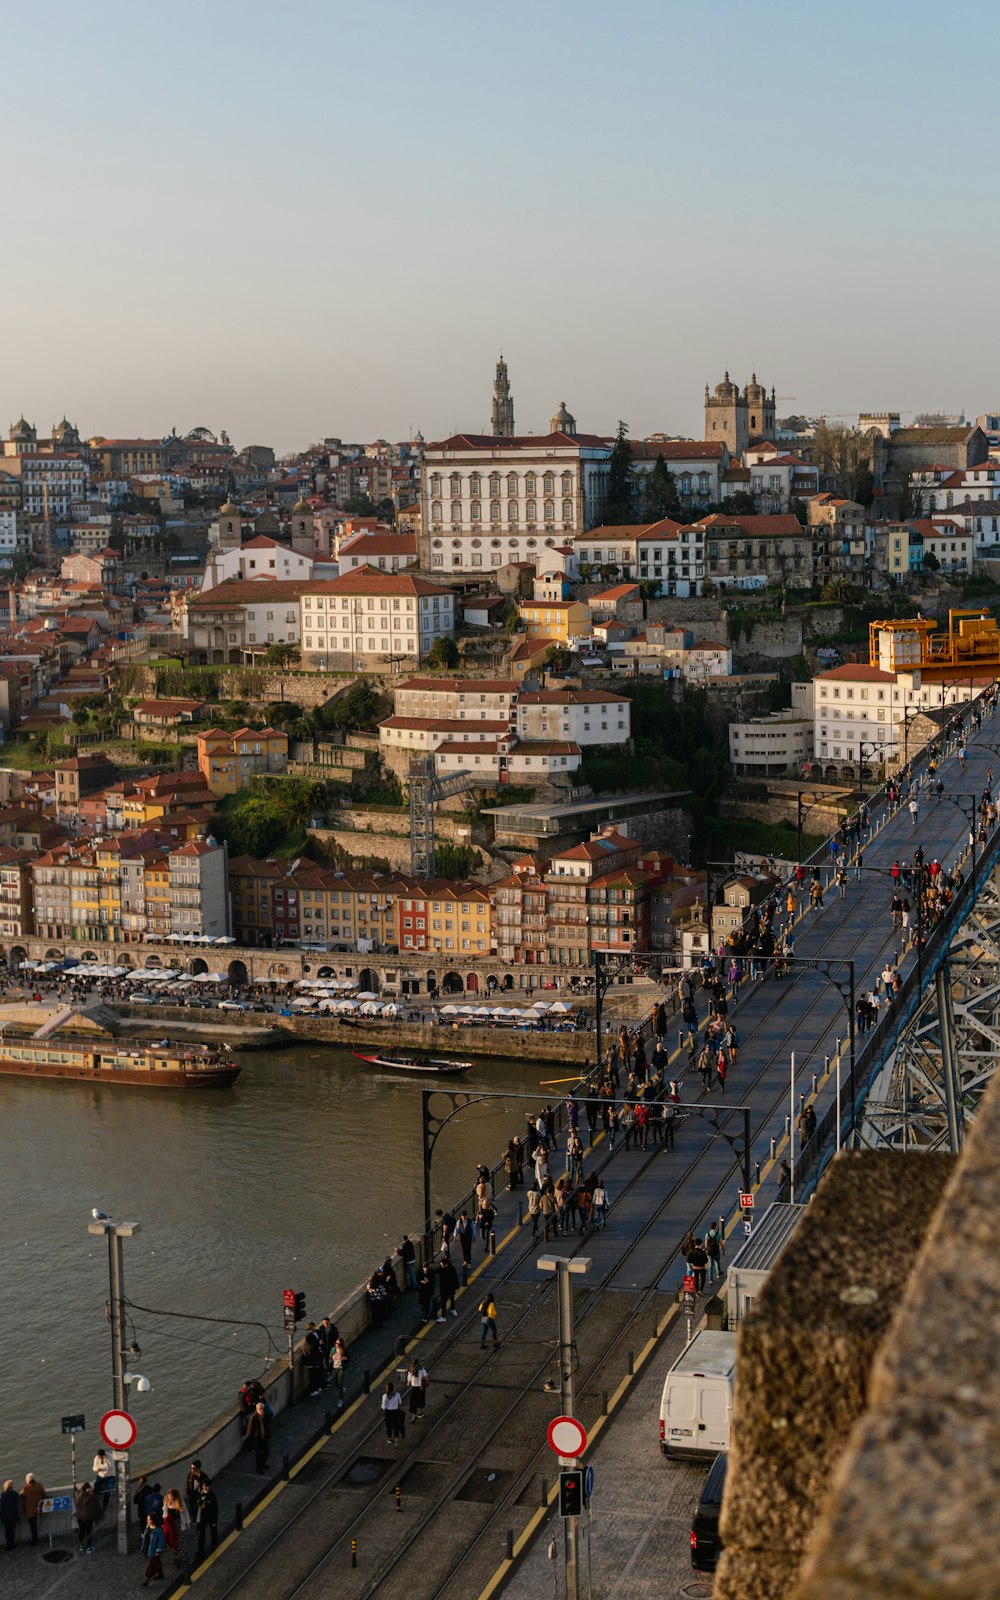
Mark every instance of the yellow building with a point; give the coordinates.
(156, 889)
(227, 760)
(557, 621)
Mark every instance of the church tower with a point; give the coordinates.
(503, 404)
(759, 410)
(303, 537)
(230, 525)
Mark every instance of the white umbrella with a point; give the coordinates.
(560, 1005)
(347, 1005)
(450, 1011)
(540, 1005)
(371, 1008)
(210, 977)
(390, 1010)
(481, 1011)
(365, 994)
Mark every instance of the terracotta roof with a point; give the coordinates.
(451, 747)
(764, 526)
(664, 528)
(380, 544)
(466, 685)
(621, 591)
(547, 605)
(531, 441)
(858, 674)
(707, 644)
(529, 648)
(570, 697)
(676, 449)
(546, 747)
(168, 708)
(369, 580)
(444, 725)
(238, 591)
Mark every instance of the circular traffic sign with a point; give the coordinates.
(118, 1430)
(567, 1437)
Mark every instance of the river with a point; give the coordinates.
(303, 1176)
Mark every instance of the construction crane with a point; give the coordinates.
(426, 789)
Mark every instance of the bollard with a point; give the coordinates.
(630, 1363)
(185, 1569)
(493, 1243)
(773, 1148)
(815, 1082)
(238, 1514)
(756, 1168)
(366, 1382)
(285, 1468)
(604, 1402)
(520, 1212)
(788, 1125)
(328, 1421)
(399, 1498)
(465, 1274)
(354, 1552)
(826, 1067)
(510, 1544)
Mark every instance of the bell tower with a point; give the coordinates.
(503, 404)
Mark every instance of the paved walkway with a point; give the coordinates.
(27, 1573)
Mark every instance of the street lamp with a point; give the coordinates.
(866, 744)
(116, 1232)
(564, 1267)
(961, 801)
(802, 795)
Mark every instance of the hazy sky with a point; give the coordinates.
(299, 219)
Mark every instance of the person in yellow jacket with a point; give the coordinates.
(488, 1312)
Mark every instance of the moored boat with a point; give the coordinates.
(416, 1062)
(157, 1066)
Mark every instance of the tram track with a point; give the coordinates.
(391, 1574)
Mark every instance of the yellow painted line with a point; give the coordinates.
(538, 1516)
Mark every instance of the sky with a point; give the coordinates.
(297, 220)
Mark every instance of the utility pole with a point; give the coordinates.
(563, 1266)
(116, 1232)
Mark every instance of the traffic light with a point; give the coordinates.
(294, 1302)
(571, 1494)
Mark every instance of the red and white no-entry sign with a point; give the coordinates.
(567, 1437)
(118, 1430)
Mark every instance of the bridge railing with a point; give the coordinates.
(875, 1047)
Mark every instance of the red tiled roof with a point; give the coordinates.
(859, 674)
(676, 449)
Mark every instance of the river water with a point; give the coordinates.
(303, 1176)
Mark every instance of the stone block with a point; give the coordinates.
(805, 1355)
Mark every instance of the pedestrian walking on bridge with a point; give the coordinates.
(488, 1312)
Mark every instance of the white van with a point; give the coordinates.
(696, 1405)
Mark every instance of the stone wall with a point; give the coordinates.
(910, 1509)
(446, 1038)
(804, 1358)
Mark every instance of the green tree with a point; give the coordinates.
(931, 562)
(358, 709)
(618, 504)
(844, 454)
(455, 861)
(659, 494)
(443, 652)
(741, 504)
(282, 655)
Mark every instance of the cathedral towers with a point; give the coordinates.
(736, 419)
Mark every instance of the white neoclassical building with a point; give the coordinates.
(487, 502)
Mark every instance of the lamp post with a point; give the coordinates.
(801, 796)
(116, 1232)
(563, 1267)
(866, 744)
(961, 801)
(825, 966)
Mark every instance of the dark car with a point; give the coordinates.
(705, 1541)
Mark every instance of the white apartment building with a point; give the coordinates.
(774, 746)
(697, 466)
(668, 552)
(942, 488)
(581, 716)
(368, 617)
(858, 713)
(199, 888)
(422, 735)
(486, 502)
(464, 699)
(237, 620)
(388, 552)
(946, 540)
(504, 760)
(65, 478)
(10, 533)
(260, 557)
(980, 521)
(777, 480)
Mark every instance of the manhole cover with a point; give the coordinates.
(55, 1558)
(485, 1485)
(365, 1470)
